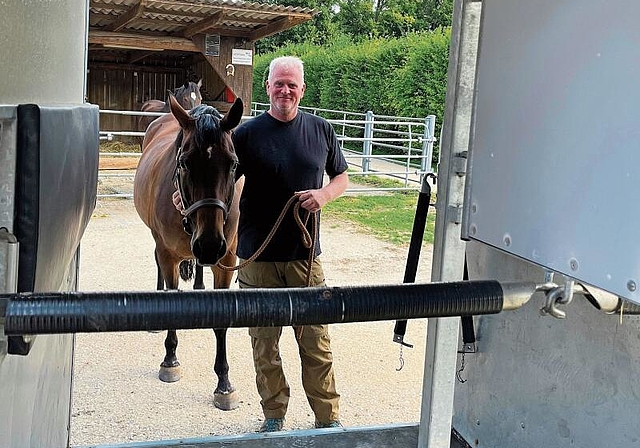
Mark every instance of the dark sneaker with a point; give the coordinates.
(333, 424)
(272, 425)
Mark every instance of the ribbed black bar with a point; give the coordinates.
(69, 312)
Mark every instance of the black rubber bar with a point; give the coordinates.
(77, 312)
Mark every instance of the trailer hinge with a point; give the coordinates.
(454, 214)
(459, 163)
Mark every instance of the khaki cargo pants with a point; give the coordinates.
(313, 345)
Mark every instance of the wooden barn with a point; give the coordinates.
(139, 49)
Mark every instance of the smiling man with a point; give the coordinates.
(282, 152)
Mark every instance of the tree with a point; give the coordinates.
(366, 19)
(318, 31)
(356, 19)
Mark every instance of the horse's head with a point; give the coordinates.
(205, 174)
(188, 95)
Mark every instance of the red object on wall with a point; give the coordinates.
(229, 96)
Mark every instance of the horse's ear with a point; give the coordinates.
(199, 83)
(181, 115)
(233, 117)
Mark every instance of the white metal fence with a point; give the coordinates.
(374, 145)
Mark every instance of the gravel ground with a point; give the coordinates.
(117, 396)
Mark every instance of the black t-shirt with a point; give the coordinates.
(278, 159)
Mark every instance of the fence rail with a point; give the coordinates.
(374, 145)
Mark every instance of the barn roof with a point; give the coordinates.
(170, 24)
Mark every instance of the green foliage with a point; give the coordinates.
(318, 31)
(365, 19)
(421, 85)
(359, 20)
(356, 19)
(388, 217)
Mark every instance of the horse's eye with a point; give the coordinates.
(234, 166)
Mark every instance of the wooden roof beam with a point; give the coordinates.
(275, 27)
(138, 56)
(204, 24)
(124, 19)
(134, 67)
(230, 32)
(141, 41)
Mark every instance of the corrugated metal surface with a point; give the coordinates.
(168, 16)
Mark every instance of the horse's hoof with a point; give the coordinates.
(227, 401)
(169, 374)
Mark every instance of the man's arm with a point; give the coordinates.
(314, 200)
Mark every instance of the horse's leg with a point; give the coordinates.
(198, 282)
(225, 396)
(170, 366)
(159, 282)
(159, 277)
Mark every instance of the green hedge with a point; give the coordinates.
(404, 77)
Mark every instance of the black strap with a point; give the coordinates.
(468, 332)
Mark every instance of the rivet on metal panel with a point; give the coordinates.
(631, 285)
(473, 229)
(506, 239)
(573, 264)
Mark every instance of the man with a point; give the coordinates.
(282, 152)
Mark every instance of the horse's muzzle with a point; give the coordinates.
(208, 251)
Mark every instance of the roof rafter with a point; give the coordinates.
(124, 19)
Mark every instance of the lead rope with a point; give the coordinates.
(307, 240)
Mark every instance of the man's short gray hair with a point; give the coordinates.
(286, 62)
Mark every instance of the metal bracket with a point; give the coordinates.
(454, 214)
(459, 163)
(398, 338)
(9, 250)
(468, 348)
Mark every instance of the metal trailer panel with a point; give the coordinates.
(52, 196)
(35, 390)
(400, 435)
(537, 381)
(35, 394)
(44, 45)
(44, 61)
(554, 157)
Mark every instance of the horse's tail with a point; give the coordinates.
(186, 269)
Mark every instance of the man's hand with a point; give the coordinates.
(177, 201)
(312, 200)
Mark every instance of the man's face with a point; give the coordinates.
(285, 89)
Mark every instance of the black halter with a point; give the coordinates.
(189, 209)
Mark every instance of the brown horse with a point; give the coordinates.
(188, 95)
(193, 151)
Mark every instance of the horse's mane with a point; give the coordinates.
(207, 125)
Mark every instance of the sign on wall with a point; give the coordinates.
(241, 57)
